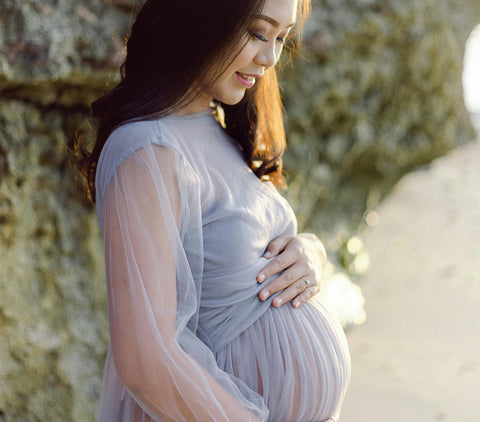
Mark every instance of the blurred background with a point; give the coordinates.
(382, 164)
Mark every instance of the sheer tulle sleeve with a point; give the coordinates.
(149, 209)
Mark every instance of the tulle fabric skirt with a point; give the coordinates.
(297, 359)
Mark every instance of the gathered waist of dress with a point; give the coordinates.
(227, 286)
(230, 303)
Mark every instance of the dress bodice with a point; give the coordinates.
(240, 213)
(240, 216)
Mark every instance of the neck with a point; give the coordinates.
(199, 104)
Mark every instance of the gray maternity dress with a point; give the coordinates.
(185, 224)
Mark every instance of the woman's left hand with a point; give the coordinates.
(302, 258)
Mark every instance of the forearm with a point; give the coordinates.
(175, 387)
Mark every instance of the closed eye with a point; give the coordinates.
(260, 37)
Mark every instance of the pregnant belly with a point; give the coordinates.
(297, 359)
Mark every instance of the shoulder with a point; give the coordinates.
(137, 138)
(129, 137)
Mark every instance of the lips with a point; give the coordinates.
(245, 79)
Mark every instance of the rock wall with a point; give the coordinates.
(53, 328)
(55, 58)
(377, 92)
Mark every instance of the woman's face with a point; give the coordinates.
(261, 51)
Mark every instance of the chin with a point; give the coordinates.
(231, 99)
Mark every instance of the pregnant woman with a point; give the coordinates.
(210, 289)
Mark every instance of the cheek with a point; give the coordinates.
(245, 56)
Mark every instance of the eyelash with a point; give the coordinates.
(260, 37)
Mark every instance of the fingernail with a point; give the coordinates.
(261, 277)
(267, 254)
(264, 295)
(278, 302)
(296, 303)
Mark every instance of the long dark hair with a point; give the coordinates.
(171, 51)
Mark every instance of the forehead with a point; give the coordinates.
(283, 11)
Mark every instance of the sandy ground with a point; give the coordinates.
(417, 356)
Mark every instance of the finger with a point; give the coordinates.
(283, 281)
(277, 264)
(290, 293)
(305, 296)
(276, 246)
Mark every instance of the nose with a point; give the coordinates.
(268, 55)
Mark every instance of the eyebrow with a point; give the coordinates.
(272, 21)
